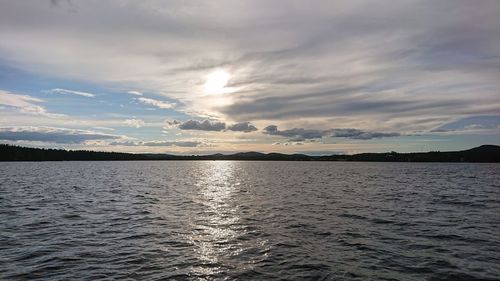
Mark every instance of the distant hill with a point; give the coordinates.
(484, 153)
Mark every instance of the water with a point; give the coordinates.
(214, 220)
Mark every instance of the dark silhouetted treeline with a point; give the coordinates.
(18, 153)
(484, 153)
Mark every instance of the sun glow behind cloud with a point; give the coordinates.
(215, 93)
(216, 82)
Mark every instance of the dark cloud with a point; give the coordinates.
(205, 125)
(271, 130)
(359, 134)
(172, 122)
(210, 125)
(242, 127)
(295, 134)
(49, 134)
(169, 124)
(301, 134)
(159, 143)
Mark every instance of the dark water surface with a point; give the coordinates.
(198, 220)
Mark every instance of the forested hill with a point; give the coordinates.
(18, 153)
(484, 153)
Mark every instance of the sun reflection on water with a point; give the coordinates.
(217, 227)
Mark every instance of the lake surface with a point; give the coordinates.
(211, 220)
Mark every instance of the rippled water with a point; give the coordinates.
(230, 220)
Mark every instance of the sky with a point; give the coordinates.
(199, 77)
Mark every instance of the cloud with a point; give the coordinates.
(159, 143)
(295, 134)
(104, 128)
(70, 92)
(25, 104)
(206, 125)
(301, 134)
(52, 135)
(59, 3)
(288, 143)
(242, 127)
(359, 134)
(471, 123)
(135, 93)
(304, 62)
(210, 125)
(156, 103)
(170, 124)
(134, 123)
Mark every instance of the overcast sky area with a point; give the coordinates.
(197, 77)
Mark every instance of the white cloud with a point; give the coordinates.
(70, 92)
(156, 103)
(135, 93)
(104, 128)
(134, 123)
(24, 104)
(16, 100)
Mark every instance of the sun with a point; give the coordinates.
(216, 82)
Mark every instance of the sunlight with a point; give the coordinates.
(216, 82)
(219, 224)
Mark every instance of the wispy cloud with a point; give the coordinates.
(158, 143)
(156, 103)
(24, 104)
(52, 135)
(70, 92)
(471, 123)
(135, 93)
